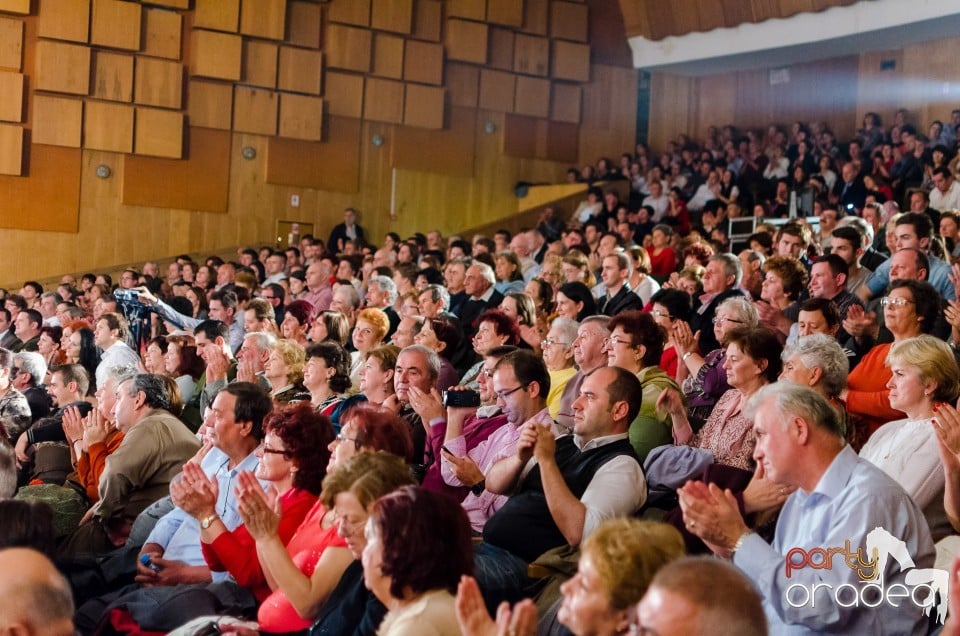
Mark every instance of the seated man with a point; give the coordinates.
(28, 375)
(36, 598)
(576, 482)
(155, 446)
(844, 506)
(14, 408)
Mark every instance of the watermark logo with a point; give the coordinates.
(925, 588)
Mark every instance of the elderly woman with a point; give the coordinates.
(183, 364)
(445, 337)
(284, 371)
(153, 357)
(670, 306)
(785, 279)
(330, 325)
(909, 310)
(752, 361)
(376, 374)
(326, 375)
(635, 343)
(418, 547)
(819, 362)
(368, 334)
(703, 377)
(494, 328)
(924, 375)
(575, 302)
(557, 353)
(296, 321)
(310, 565)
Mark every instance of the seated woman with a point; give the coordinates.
(306, 570)
(48, 346)
(785, 279)
(575, 302)
(520, 306)
(444, 336)
(418, 547)
(557, 350)
(284, 371)
(494, 329)
(663, 260)
(819, 362)
(924, 375)
(669, 306)
(296, 321)
(330, 325)
(641, 281)
(368, 334)
(183, 364)
(376, 376)
(576, 269)
(327, 376)
(703, 377)
(509, 272)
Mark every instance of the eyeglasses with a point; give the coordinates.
(613, 340)
(549, 342)
(343, 438)
(719, 319)
(487, 372)
(896, 301)
(502, 395)
(273, 451)
(656, 313)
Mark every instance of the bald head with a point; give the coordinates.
(36, 597)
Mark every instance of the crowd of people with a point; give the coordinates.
(533, 432)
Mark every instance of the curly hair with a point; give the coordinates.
(426, 540)
(379, 429)
(336, 358)
(293, 356)
(700, 251)
(790, 271)
(301, 310)
(644, 331)
(377, 319)
(367, 476)
(503, 324)
(306, 436)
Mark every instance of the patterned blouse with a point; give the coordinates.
(728, 433)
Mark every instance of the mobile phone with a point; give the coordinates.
(445, 449)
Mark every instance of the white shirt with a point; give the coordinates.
(946, 201)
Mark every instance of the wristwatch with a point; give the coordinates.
(479, 487)
(207, 521)
(684, 357)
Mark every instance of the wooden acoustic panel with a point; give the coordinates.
(529, 138)
(113, 76)
(301, 117)
(11, 150)
(49, 200)
(210, 104)
(423, 62)
(469, 9)
(260, 63)
(427, 17)
(570, 61)
(199, 181)
(216, 55)
(303, 24)
(64, 20)
(255, 110)
(218, 15)
(162, 32)
(11, 44)
(569, 21)
(356, 12)
(423, 107)
(452, 151)
(532, 96)
(158, 83)
(531, 55)
(497, 90)
(562, 142)
(502, 43)
(388, 56)
(392, 15)
(15, 6)
(263, 18)
(108, 126)
(383, 100)
(116, 24)
(11, 96)
(301, 70)
(62, 68)
(56, 121)
(518, 137)
(343, 94)
(171, 4)
(463, 84)
(348, 48)
(466, 41)
(535, 16)
(565, 103)
(507, 12)
(159, 133)
(333, 165)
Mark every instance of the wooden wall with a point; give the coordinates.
(839, 91)
(306, 86)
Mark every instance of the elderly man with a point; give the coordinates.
(434, 302)
(481, 295)
(15, 414)
(588, 354)
(28, 374)
(721, 280)
(155, 446)
(843, 506)
(36, 598)
(319, 292)
(417, 370)
(381, 294)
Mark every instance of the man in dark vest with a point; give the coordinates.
(563, 488)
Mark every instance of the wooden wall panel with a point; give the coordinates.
(608, 40)
(393, 15)
(562, 142)
(451, 150)
(108, 126)
(15, 6)
(874, 84)
(260, 61)
(216, 55)
(570, 61)
(469, 9)
(519, 136)
(210, 104)
(116, 24)
(463, 84)
(57, 121)
(255, 110)
(565, 103)
(507, 12)
(723, 101)
(158, 133)
(497, 90)
(427, 17)
(11, 96)
(171, 4)
(64, 20)
(466, 41)
(383, 100)
(356, 12)
(536, 15)
(929, 90)
(158, 83)
(303, 24)
(199, 181)
(423, 106)
(609, 111)
(11, 150)
(501, 49)
(113, 76)
(301, 70)
(388, 56)
(532, 55)
(301, 117)
(218, 15)
(423, 62)
(47, 201)
(569, 21)
(348, 48)
(11, 43)
(62, 68)
(162, 33)
(344, 94)
(532, 97)
(263, 18)
(331, 165)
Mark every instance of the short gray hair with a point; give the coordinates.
(352, 292)
(486, 272)
(567, 329)
(33, 363)
(731, 266)
(820, 350)
(599, 320)
(154, 390)
(743, 308)
(431, 356)
(791, 399)
(385, 285)
(121, 373)
(263, 340)
(438, 293)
